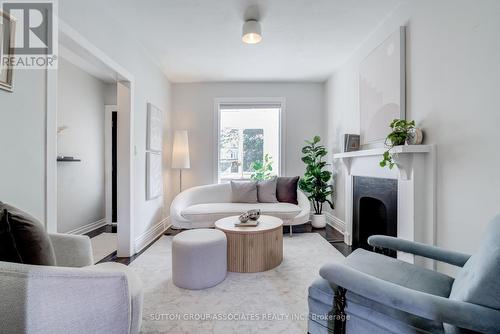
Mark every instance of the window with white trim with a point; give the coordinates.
(248, 133)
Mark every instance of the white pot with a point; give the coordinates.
(318, 221)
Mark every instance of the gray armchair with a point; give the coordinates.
(75, 297)
(378, 294)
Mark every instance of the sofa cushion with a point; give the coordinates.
(286, 189)
(28, 236)
(266, 190)
(478, 281)
(214, 211)
(243, 191)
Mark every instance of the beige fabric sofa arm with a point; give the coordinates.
(72, 250)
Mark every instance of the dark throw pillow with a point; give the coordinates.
(28, 238)
(244, 191)
(266, 191)
(8, 250)
(286, 189)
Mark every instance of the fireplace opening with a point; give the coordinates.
(374, 209)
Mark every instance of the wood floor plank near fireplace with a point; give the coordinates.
(415, 174)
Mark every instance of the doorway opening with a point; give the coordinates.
(75, 47)
(114, 166)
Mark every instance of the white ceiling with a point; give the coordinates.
(200, 40)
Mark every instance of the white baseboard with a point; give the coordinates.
(88, 227)
(150, 235)
(335, 222)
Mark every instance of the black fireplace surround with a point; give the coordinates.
(375, 209)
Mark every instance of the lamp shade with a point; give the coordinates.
(180, 151)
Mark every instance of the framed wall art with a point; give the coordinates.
(382, 88)
(155, 129)
(154, 175)
(7, 31)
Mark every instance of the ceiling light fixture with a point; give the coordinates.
(252, 33)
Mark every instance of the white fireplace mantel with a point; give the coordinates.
(415, 172)
(402, 155)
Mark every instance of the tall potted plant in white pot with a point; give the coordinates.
(316, 181)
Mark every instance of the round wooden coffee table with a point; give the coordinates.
(253, 249)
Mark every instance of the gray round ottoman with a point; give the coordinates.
(199, 258)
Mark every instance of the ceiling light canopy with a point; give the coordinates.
(252, 33)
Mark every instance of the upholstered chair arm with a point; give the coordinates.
(72, 250)
(43, 299)
(420, 249)
(440, 309)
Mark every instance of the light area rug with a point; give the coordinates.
(274, 301)
(103, 245)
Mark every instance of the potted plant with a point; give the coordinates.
(315, 182)
(401, 131)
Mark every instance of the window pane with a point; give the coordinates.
(246, 136)
(253, 147)
(229, 150)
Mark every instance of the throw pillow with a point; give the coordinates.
(266, 190)
(8, 250)
(29, 237)
(286, 189)
(244, 191)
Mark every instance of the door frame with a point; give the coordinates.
(108, 160)
(82, 49)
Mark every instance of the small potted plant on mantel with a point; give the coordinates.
(402, 132)
(316, 181)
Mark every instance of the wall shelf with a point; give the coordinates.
(67, 159)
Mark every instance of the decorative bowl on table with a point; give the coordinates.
(244, 217)
(254, 214)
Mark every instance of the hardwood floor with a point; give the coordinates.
(334, 237)
(104, 229)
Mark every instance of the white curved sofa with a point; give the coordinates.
(201, 207)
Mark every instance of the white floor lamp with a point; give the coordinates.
(180, 153)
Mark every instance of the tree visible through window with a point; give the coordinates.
(246, 135)
(253, 147)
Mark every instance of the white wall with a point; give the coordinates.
(193, 109)
(80, 185)
(22, 138)
(23, 114)
(452, 92)
(151, 85)
(110, 97)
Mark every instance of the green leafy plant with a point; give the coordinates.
(400, 130)
(262, 170)
(315, 182)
